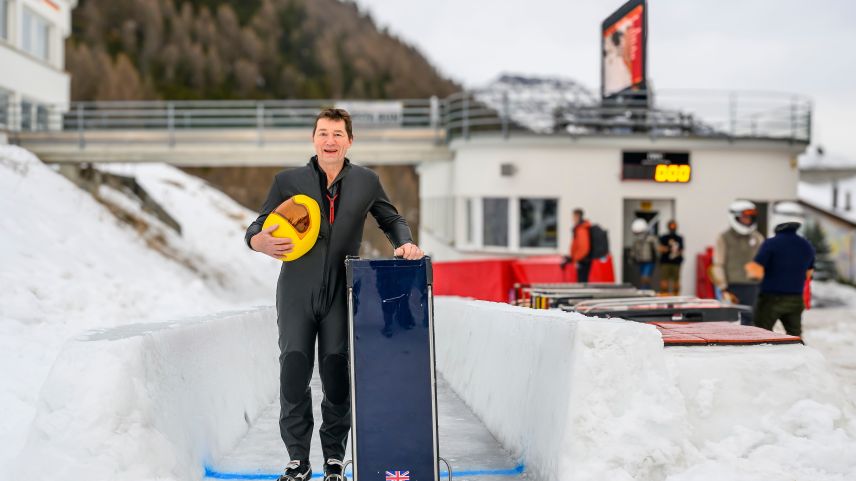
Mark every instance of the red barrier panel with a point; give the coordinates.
(602, 270)
(542, 269)
(488, 280)
(704, 287)
(492, 279)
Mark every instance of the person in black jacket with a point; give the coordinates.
(311, 292)
(783, 263)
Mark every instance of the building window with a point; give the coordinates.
(4, 19)
(36, 35)
(5, 100)
(41, 117)
(834, 196)
(495, 225)
(470, 220)
(847, 200)
(538, 222)
(26, 115)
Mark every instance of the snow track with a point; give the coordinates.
(464, 441)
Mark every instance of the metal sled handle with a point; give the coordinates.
(345, 467)
(448, 468)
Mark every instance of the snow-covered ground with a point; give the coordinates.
(832, 330)
(68, 265)
(595, 399)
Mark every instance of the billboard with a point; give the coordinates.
(623, 50)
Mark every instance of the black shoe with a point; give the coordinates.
(334, 470)
(297, 471)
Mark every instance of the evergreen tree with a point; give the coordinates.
(248, 49)
(815, 234)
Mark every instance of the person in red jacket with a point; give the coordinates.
(581, 246)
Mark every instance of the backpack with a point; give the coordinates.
(599, 242)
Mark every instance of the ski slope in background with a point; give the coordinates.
(67, 266)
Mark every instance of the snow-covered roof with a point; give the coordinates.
(816, 158)
(819, 195)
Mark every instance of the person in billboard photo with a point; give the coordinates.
(616, 70)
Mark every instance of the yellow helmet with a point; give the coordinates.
(299, 218)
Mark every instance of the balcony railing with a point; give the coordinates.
(669, 113)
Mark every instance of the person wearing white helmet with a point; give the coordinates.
(643, 251)
(783, 264)
(735, 248)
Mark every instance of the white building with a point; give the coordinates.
(510, 193)
(32, 61)
(827, 188)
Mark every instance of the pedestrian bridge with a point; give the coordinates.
(402, 131)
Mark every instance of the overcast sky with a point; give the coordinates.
(806, 47)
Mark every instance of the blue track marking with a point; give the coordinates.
(214, 474)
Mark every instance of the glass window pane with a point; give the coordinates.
(495, 215)
(470, 219)
(27, 33)
(4, 18)
(41, 117)
(26, 115)
(538, 222)
(4, 108)
(36, 33)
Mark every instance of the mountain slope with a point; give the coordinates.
(213, 49)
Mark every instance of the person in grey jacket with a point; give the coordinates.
(311, 293)
(643, 251)
(734, 249)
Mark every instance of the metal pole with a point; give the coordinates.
(808, 124)
(505, 114)
(793, 119)
(732, 113)
(260, 120)
(170, 122)
(465, 116)
(81, 141)
(435, 117)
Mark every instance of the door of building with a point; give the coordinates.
(657, 213)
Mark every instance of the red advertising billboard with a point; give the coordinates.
(623, 41)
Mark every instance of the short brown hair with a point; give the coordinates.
(335, 114)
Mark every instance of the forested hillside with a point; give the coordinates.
(214, 49)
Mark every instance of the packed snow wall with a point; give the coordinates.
(579, 398)
(152, 401)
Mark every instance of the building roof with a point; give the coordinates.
(819, 196)
(815, 159)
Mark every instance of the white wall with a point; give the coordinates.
(43, 81)
(152, 401)
(586, 173)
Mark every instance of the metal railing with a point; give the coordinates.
(671, 113)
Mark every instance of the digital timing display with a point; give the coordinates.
(665, 167)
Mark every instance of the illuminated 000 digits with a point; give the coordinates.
(672, 173)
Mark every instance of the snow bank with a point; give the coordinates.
(67, 264)
(579, 399)
(152, 401)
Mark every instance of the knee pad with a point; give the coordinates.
(334, 376)
(295, 376)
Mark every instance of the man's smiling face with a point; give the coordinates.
(331, 141)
